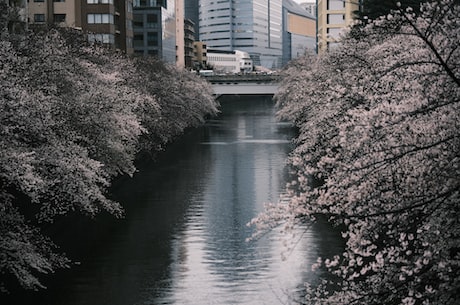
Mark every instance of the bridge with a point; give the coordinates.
(244, 84)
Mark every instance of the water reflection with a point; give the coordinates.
(212, 262)
(183, 240)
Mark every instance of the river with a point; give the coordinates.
(184, 236)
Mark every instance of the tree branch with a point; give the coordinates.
(415, 149)
(432, 48)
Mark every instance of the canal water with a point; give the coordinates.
(184, 236)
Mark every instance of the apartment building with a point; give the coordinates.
(333, 17)
(200, 55)
(189, 39)
(104, 21)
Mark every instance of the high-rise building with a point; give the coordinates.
(299, 31)
(251, 26)
(161, 30)
(191, 13)
(105, 21)
(333, 17)
(154, 25)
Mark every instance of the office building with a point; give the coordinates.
(251, 26)
(224, 62)
(191, 13)
(154, 25)
(333, 17)
(104, 21)
(299, 31)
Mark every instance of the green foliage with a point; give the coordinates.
(72, 117)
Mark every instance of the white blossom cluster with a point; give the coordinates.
(378, 154)
(72, 117)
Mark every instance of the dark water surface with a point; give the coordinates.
(183, 240)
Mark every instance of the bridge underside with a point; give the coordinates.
(245, 89)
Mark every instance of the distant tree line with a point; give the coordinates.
(73, 116)
(378, 154)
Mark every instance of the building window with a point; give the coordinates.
(99, 1)
(101, 38)
(152, 39)
(39, 17)
(39, 0)
(334, 33)
(57, 18)
(138, 21)
(58, 0)
(335, 4)
(100, 18)
(152, 21)
(138, 40)
(149, 3)
(335, 18)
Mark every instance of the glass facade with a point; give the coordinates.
(191, 12)
(251, 26)
(154, 29)
(168, 22)
(149, 3)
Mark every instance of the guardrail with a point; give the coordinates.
(235, 78)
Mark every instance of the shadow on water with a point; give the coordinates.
(183, 237)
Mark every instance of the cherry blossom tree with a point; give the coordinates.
(373, 9)
(182, 100)
(378, 154)
(71, 120)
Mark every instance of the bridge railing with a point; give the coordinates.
(235, 78)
